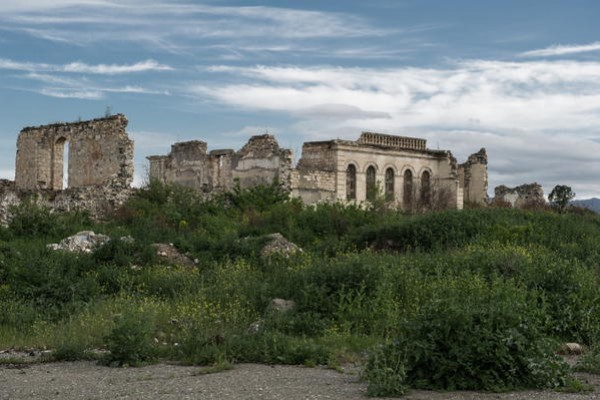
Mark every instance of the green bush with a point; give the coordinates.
(385, 371)
(130, 342)
(30, 220)
(590, 362)
(472, 335)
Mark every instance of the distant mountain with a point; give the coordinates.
(591, 204)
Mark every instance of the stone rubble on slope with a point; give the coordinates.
(279, 245)
(170, 255)
(81, 242)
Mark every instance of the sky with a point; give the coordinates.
(520, 78)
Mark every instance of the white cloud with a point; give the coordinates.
(182, 27)
(60, 86)
(539, 120)
(532, 95)
(561, 50)
(72, 93)
(80, 67)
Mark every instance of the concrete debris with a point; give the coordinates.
(279, 245)
(81, 242)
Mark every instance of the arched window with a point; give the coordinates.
(371, 186)
(425, 188)
(407, 199)
(60, 164)
(389, 184)
(351, 182)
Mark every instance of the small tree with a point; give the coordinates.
(560, 197)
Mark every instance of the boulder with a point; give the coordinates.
(169, 254)
(282, 305)
(278, 244)
(573, 348)
(81, 242)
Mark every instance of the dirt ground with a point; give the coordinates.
(87, 380)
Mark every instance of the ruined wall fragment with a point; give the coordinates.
(100, 154)
(259, 162)
(473, 176)
(520, 196)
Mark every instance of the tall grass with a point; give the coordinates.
(468, 292)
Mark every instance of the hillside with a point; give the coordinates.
(447, 300)
(591, 204)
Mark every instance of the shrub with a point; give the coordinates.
(590, 362)
(385, 371)
(130, 342)
(30, 219)
(470, 336)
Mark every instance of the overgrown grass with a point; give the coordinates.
(474, 299)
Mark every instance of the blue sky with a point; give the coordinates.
(521, 78)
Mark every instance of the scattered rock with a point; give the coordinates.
(170, 255)
(572, 348)
(127, 239)
(255, 327)
(279, 245)
(282, 305)
(81, 242)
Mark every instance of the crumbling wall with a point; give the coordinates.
(315, 178)
(98, 201)
(100, 167)
(8, 198)
(321, 173)
(100, 154)
(314, 186)
(520, 196)
(260, 161)
(473, 177)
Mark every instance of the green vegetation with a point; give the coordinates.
(561, 196)
(476, 299)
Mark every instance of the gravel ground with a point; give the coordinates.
(87, 380)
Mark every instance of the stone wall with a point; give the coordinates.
(260, 161)
(321, 173)
(520, 196)
(100, 167)
(100, 154)
(99, 201)
(473, 177)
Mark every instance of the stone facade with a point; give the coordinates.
(100, 167)
(473, 178)
(260, 161)
(401, 169)
(100, 154)
(521, 196)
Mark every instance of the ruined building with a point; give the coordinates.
(189, 164)
(99, 154)
(401, 169)
(100, 166)
(529, 194)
